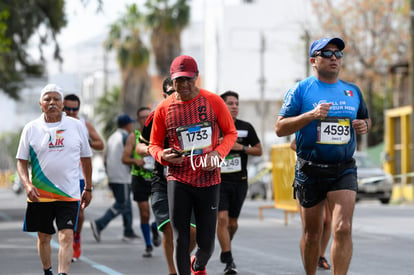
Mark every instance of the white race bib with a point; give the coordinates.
(232, 164)
(195, 137)
(149, 163)
(334, 130)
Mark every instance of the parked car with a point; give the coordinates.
(373, 181)
(260, 179)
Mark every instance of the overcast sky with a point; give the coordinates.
(84, 22)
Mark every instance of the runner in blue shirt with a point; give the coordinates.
(325, 113)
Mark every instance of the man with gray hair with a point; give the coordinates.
(53, 145)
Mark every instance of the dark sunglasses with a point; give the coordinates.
(183, 79)
(328, 54)
(71, 109)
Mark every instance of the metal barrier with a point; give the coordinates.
(397, 155)
(402, 191)
(283, 173)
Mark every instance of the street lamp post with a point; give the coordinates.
(262, 82)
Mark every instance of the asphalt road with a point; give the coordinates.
(383, 242)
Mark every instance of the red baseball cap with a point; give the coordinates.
(183, 66)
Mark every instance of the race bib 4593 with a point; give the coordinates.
(334, 130)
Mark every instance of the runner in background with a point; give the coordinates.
(327, 227)
(233, 187)
(71, 105)
(142, 168)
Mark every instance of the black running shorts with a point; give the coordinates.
(141, 188)
(311, 191)
(40, 216)
(232, 196)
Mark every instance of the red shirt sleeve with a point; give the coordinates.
(158, 132)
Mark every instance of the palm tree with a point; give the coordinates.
(133, 59)
(107, 110)
(166, 22)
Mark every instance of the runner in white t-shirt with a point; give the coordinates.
(53, 145)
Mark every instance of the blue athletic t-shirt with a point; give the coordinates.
(330, 140)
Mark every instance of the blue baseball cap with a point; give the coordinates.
(321, 43)
(124, 120)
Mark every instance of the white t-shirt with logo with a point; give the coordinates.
(54, 151)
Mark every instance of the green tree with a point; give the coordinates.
(107, 110)
(23, 23)
(133, 59)
(376, 34)
(5, 42)
(9, 142)
(166, 20)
